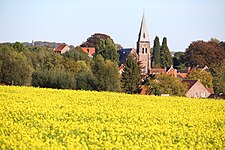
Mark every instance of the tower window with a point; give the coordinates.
(146, 50)
(143, 50)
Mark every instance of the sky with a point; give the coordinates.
(73, 21)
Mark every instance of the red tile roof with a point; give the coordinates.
(183, 75)
(60, 47)
(211, 91)
(88, 50)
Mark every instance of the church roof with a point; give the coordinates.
(123, 53)
(143, 34)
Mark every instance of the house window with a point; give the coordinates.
(196, 94)
(88, 50)
(144, 70)
(203, 94)
(143, 50)
(146, 50)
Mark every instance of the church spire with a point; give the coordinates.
(143, 47)
(143, 34)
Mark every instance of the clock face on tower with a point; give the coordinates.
(144, 45)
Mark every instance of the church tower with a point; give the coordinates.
(143, 48)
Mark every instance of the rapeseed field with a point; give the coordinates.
(37, 118)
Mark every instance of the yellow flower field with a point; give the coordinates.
(35, 118)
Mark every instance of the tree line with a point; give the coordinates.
(40, 66)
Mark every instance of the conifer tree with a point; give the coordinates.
(166, 59)
(156, 53)
(131, 77)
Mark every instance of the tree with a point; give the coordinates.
(50, 59)
(204, 53)
(84, 76)
(219, 77)
(156, 53)
(3, 48)
(77, 54)
(166, 59)
(118, 46)
(178, 60)
(107, 49)
(106, 74)
(161, 84)
(19, 47)
(104, 46)
(15, 69)
(94, 40)
(205, 77)
(54, 77)
(131, 77)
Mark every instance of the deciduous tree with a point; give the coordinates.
(166, 84)
(15, 69)
(106, 74)
(204, 53)
(219, 77)
(205, 77)
(107, 49)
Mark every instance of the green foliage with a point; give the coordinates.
(3, 48)
(131, 77)
(219, 77)
(94, 40)
(104, 46)
(15, 69)
(54, 78)
(106, 74)
(19, 47)
(166, 84)
(156, 53)
(204, 53)
(50, 59)
(205, 77)
(166, 59)
(84, 76)
(107, 49)
(118, 46)
(178, 61)
(77, 54)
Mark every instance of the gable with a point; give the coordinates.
(62, 48)
(197, 89)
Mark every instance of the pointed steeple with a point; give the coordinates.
(143, 34)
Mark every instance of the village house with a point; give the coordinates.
(89, 50)
(62, 48)
(196, 89)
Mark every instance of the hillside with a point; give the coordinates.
(35, 118)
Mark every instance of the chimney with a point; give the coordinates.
(188, 69)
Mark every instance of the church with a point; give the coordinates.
(143, 49)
